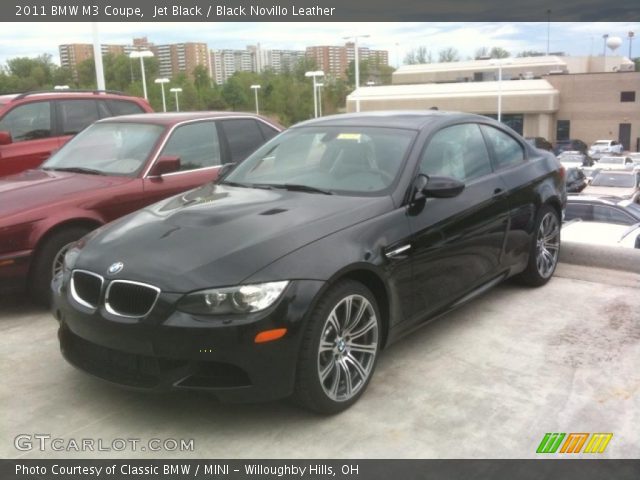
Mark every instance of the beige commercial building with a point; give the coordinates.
(589, 98)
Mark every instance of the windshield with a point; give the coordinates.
(108, 148)
(612, 160)
(614, 180)
(347, 160)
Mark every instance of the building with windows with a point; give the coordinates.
(73, 54)
(177, 58)
(224, 63)
(334, 60)
(588, 98)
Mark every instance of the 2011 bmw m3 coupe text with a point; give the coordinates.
(289, 275)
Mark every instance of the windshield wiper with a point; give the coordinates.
(265, 186)
(302, 188)
(90, 171)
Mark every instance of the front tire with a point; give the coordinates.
(48, 260)
(545, 248)
(339, 349)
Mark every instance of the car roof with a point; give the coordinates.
(605, 199)
(409, 119)
(175, 118)
(62, 94)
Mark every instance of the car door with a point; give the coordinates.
(456, 242)
(198, 146)
(522, 178)
(30, 126)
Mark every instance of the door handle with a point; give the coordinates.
(397, 251)
(497, 192)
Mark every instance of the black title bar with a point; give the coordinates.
(316, 10)
(583, 469)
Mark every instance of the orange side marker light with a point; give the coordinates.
(270, 335)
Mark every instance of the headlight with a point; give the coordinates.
(232, 300)
(70, 258)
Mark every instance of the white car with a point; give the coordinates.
(597, 233)
(611, 162)
(625, 185)
(601, 147)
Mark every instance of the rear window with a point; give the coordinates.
(123, 107)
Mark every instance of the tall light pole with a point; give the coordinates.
(604, 48)
(314, 75)
(630, 35)
(548, 28)
(176, 90)
(162, 81)
(97, 56)
(142, 54)
(499, 64)
(255, 89)
(357, 63)
(319, 87)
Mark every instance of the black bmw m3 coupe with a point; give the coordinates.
(289, 275)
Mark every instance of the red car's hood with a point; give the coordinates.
(38, 188)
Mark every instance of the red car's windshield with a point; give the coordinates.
(116, 148)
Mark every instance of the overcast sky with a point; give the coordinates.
(24, 39)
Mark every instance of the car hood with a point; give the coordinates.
(219, 235)
(33, 189)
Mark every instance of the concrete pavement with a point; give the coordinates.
(487, 381)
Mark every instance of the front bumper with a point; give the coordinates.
(171, 349)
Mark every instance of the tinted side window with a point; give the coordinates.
(507, 150)
(28, 122)
(606, 214)
(579, 210)
(196, 144)
(75, 115)
(267, 131)
(243, 136)
(458, 151)
(122, 107)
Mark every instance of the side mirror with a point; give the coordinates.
(5, 138)
(164, 165)
(225, 169)
(437, 187)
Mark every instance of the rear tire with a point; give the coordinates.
(545, 248)
(339, 349)
(52, 249)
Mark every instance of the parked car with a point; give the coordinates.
(616, 184)
(33, 125)
(540, 142)
(572, 159)
(635, 158)
(611, 162)
(603, 147)
(576, 181)
(327, 244)
(590, 173)
(605, 234)
(573, 145)
(602, 209)
(112, 168)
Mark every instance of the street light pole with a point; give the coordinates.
(604, 48)
(255, 89)
(141, 55)
(499, 64)
(319, 87)
(162, 81)
(357, 63)
(176, 90)
(313, 75)
(631, 35)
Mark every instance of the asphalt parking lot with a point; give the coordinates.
(487, 381)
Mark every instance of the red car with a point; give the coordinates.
(112, 168)
(35, 124)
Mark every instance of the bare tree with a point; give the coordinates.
(448, 54)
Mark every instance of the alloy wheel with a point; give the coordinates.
(348, 348)
(548, 245)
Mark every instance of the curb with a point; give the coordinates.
(613, 258)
